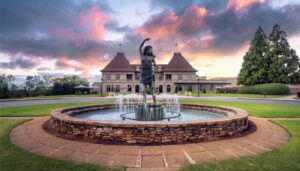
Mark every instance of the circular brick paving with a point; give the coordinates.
(31, 137)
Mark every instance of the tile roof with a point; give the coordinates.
(121, 64)
(179, 64)
(118, 64)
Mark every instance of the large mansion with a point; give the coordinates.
(122, 77)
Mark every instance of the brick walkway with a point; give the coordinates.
(31, 137)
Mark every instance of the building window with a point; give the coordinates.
(159, 68)
(137, 68)
(168, 88)
(168, 77)
(180, 87)
(129, 76)
(129, 88)
(107, 77)
(109, 88)
(137, 76)
(160, 89)
(179, 77)
(211, 88)
(117, 88)
(189, 76)
(117, 76)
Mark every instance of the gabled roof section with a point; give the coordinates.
(179, 64)
(118, 64)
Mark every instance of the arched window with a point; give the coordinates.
(168, 88)
(160, 89)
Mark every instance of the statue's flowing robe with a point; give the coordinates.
(147, 71)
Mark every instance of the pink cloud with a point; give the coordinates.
(238, 5)
(64, 63)
(195, 43)
(170, 25)
(93, 20)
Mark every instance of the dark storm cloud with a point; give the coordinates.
(41, 28)
(114, 26)
(18, 62)
(234, 29)
(50, 29)
(231, 29)
(178, 6)
(52, 47)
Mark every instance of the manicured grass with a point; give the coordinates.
(41, 110)
(13, 158)
(286, 157)
(237, 95)
(256, 109)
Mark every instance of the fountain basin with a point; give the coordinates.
(65, 123)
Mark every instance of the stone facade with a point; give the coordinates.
(235, 121)
(122, 77)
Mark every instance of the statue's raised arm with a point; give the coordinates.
(142, 44)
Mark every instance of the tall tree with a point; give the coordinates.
(30, 84)
(57, 89)
(254, 68)
(5, 84)
(284, 66)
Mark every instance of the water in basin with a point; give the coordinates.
(114, 115)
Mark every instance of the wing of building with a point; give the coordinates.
(122, 77)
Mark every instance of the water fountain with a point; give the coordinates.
(132, 107)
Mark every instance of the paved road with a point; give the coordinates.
(92, 99)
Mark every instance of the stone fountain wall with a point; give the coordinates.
(236, 121)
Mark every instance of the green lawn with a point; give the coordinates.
(41, 110)
(13, 158)
(256, 109)
(237, 95)
(284, 158)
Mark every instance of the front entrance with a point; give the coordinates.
(137, 88)
(160, 89)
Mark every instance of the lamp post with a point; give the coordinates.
(101, 87)
(198, 85)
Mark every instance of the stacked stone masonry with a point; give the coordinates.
(139, 132)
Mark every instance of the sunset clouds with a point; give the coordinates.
(238, 5)
(94, 20)
(81, 37)
(169, 25)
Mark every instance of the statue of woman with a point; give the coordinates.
(147, 68)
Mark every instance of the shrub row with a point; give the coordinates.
(228, 89)
(270, 89)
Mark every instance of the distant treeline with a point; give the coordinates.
(37, 85)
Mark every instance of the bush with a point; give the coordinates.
(269, 89)
(228, 89)
(188, 88)
(176, 90)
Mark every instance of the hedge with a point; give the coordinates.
(228, 89)
(271, 89)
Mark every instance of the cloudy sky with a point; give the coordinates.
(57, 37)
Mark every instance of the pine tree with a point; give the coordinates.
(284, 62)
(254, 69)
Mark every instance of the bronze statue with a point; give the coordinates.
(147, 69)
